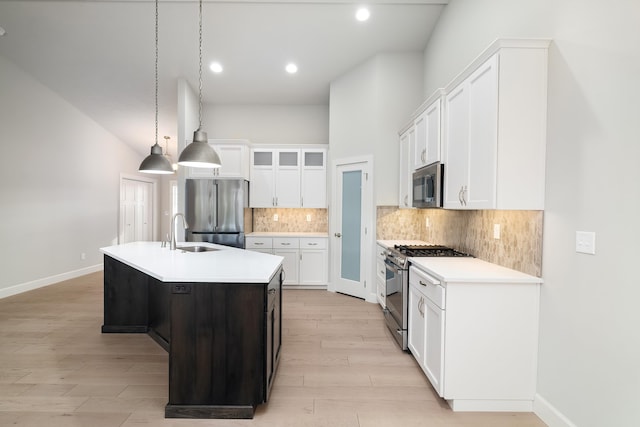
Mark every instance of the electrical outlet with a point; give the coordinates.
(275, 217)
(496, 231)
(308, 217)
(83, 256)
(586, 242)
(427, 222)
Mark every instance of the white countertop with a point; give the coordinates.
(229, 265)
(391, 243)
(470, 270)
(285, 234)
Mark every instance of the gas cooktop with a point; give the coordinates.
(428, 251)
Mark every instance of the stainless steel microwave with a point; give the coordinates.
(427, 186)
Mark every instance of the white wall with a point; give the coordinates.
(589, 341)
(268, 124)
(59, 184)
(368, 106)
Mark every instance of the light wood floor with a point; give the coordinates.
(339, 368)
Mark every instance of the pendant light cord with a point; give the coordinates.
(156, 71)
(200, 72)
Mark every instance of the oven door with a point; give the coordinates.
(396, 312)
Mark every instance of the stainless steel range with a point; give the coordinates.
(397, 283)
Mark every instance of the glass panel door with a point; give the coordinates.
(351, 224)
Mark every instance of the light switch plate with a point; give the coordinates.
(586, 242)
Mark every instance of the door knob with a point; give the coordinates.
(337, 234)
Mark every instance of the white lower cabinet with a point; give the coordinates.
(426, 325)
(306, 260)
(476, 341)
(314, 261)
(287, 247)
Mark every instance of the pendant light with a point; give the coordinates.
(199, 154)
(156, 162)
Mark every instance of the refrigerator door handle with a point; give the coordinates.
(216, 202)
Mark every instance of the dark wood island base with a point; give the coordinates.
(223, 339)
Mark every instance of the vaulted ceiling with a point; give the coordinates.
(99, 54)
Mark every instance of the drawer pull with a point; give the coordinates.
(285, 244)
(422, 283)
(258, 243)
(312, 244)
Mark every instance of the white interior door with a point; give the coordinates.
(136, 210)
(352, 229)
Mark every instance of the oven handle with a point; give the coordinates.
(391, 266)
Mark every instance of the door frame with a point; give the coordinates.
(368, 222)
(153, 204)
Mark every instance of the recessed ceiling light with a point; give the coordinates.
(363, 14)
(216, 67)
(291, 68)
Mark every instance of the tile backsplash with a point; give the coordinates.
(519, 246)
(290, 220)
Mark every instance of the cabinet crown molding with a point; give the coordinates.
(491, 50)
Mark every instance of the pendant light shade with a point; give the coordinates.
(199, 154)
(156, 162)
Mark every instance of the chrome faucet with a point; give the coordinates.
(172, 245)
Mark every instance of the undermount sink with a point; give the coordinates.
(196, 249)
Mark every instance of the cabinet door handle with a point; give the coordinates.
(460, 196)
(464, 195)
(406, 200)
(422, 283)
(337, 234)
(272, 291)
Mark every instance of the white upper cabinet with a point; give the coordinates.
(406, 169)
(427, 133)
(494, 129)
(288, 178)
(314, 178)
(275, 178)
(234, 160)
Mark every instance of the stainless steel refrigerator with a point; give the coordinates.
(215, 210)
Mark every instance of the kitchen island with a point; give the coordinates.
(216, 312)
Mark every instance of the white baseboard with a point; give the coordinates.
(478, 405)
(549, 413)
(46, 281)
